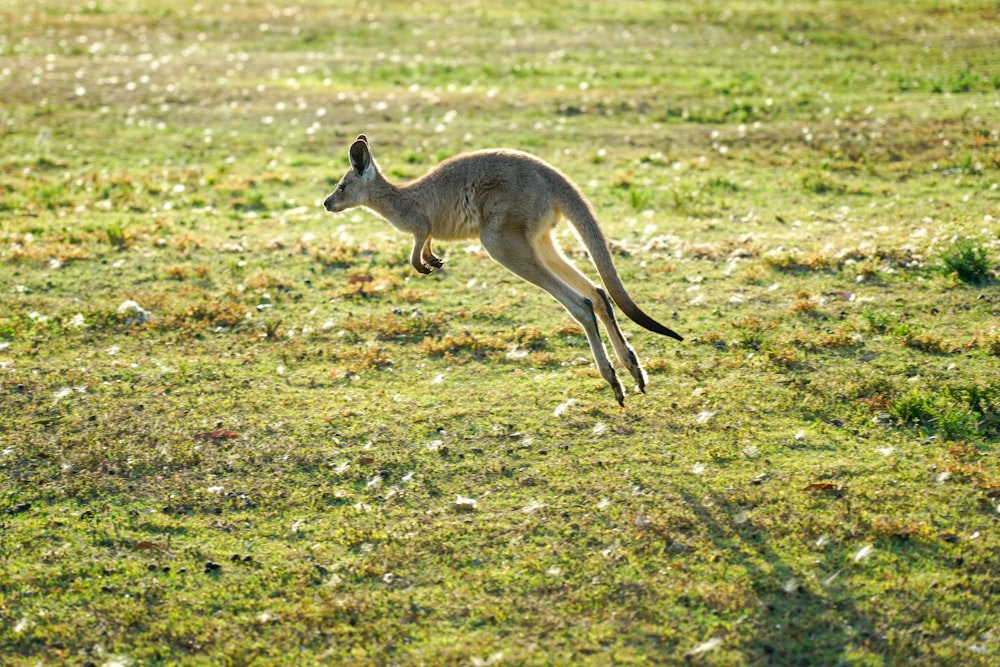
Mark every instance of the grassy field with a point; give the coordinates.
(235, 429)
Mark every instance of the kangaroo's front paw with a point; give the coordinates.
(436, 262)
(421, 268)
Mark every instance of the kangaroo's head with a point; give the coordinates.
(354, 189)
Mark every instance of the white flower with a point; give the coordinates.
(463, 504)
(703, 416)
(563, 407)
(863, 553)
(139, 314)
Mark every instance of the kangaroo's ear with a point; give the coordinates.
(361, 156)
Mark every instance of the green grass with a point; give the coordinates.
(267, 458)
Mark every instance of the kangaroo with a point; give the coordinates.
(512, 202)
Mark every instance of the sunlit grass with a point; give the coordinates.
(236, 429)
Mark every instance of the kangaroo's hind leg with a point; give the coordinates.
(509, 246)
(553, 257)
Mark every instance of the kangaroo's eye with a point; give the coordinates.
(341, 187)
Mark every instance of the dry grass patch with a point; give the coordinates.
(395, 326)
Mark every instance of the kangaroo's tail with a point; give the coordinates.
(574, 206)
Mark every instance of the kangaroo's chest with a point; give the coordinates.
(461, 218)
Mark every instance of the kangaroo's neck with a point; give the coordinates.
(396, 204)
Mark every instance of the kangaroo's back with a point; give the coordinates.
(467, 191)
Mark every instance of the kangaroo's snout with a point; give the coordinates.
(329, 205)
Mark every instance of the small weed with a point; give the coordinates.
(367, 285)
(983, 402)
(867, 270)
(210, 313)
(248, 201)
(957, 424)
(784, 356)
(923, 341)
(831, 339)
(354, 360)
(935, 413)
(963, 81)
(528, 337)
(721, 185)
(716, 340)
(752, 333)
(177, 272)
(969, 260)
(186, 242)
(914, 409)
(754, 274)
(271, 329)
(640, 199)
(335, 256)
(265, 280)
(899, 530)
(993, 344)
(726, 249)
(794, 261)
(622, 180)
(878, 394)
(820, 184)
(805, 305)
(690, 201)
(455, 346)
(969, 165)
(117, 237)
(879, 322)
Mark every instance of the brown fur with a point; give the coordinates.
(511, 201)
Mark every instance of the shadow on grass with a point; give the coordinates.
(797, 621)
